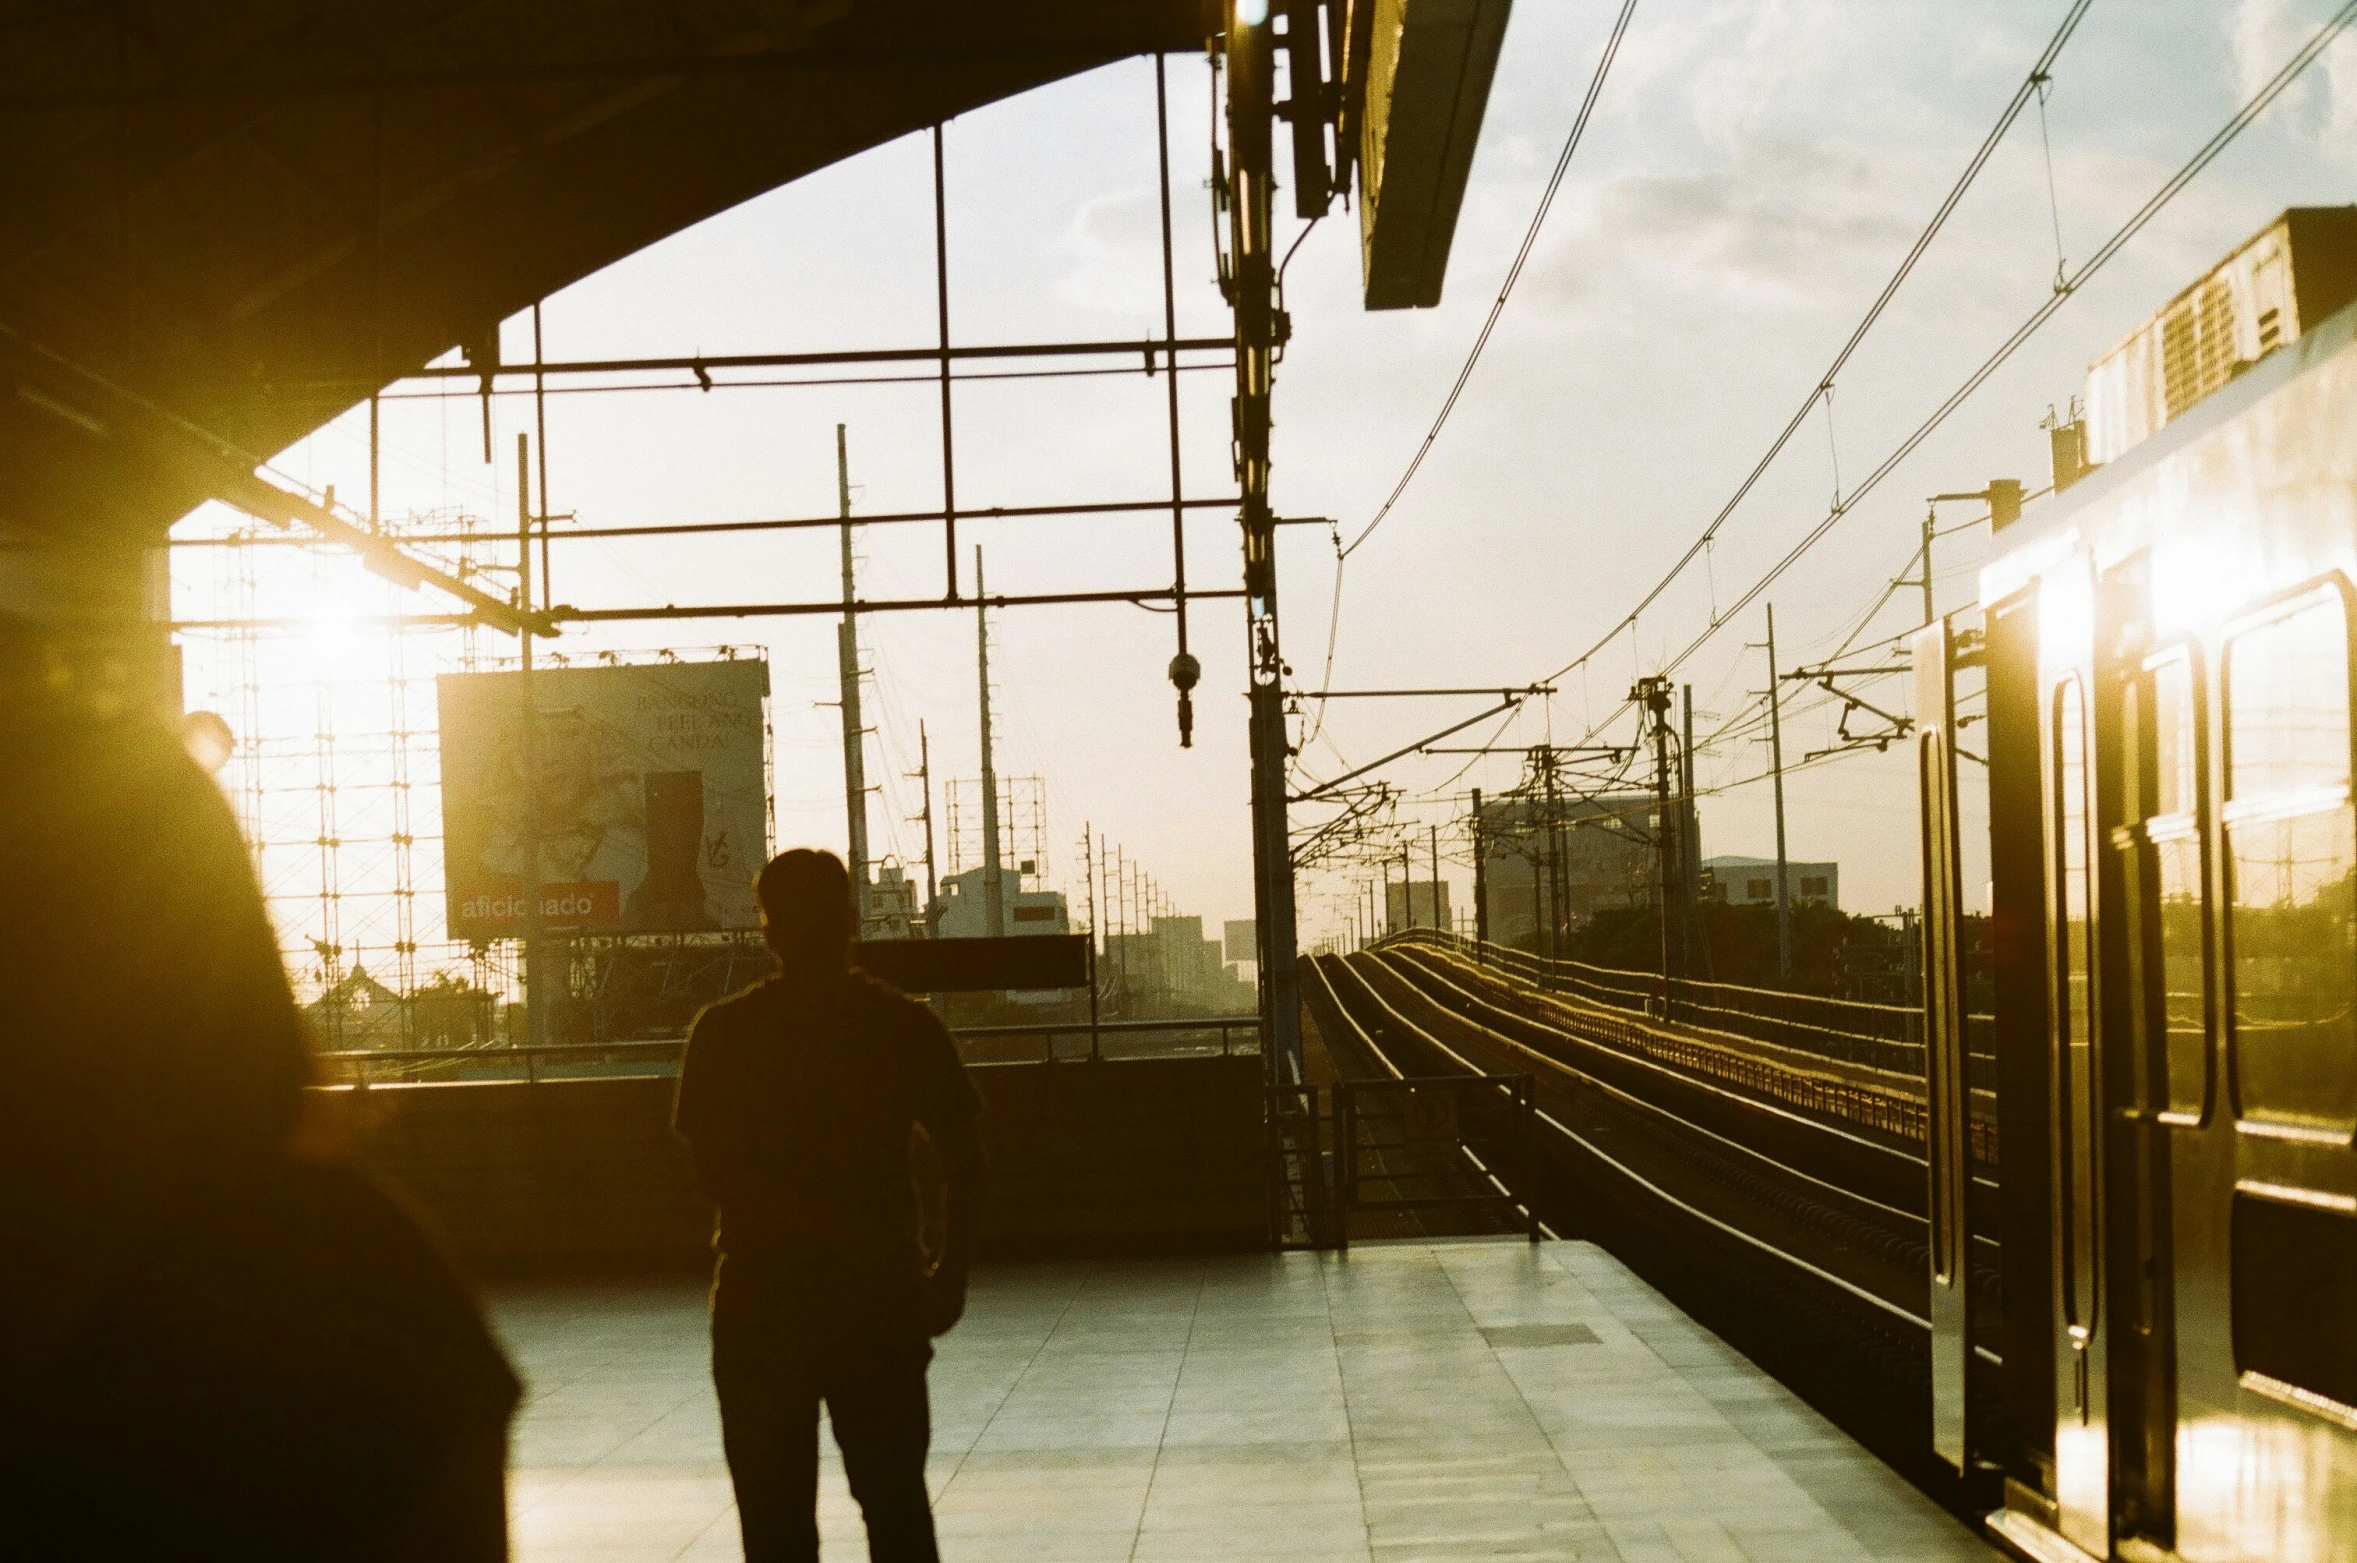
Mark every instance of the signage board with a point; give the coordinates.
(651, 807)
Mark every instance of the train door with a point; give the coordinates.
(2157, 1010)
(2266, 1236)
(2075, 1095)
(1946, 1078)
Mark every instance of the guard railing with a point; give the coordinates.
(1218, 1036)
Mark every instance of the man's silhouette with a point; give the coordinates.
(810, 1101)
(216, 1340)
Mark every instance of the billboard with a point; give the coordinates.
(652, 812)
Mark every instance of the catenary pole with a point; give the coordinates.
(1776, 769)
(855, 786)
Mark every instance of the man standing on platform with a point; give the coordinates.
(831, 1121)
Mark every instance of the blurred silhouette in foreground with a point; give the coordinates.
(216, 1340)
(831, 1121)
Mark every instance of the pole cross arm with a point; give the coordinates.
(1454, 728)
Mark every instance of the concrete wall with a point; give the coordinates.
(1117, 1156)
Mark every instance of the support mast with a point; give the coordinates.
(1252, 283)
(925, 784)
(1776, 768)
(855, 784)
(535, 931)
(994, 910)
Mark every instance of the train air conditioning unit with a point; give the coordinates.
(2286, 279)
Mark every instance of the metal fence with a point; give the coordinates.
(1219, 1036)
(1445, 1151)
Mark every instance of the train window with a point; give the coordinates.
(2177, 898)
(2177, 875)
(2173, 734)
(2292, 855)
(2288, 702)
(2075, 1096)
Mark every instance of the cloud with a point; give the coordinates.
(1112, 255)
(2266, 33)
(1780, 229)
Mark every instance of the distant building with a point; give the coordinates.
(1595, 852)
(1751, 881)
(892, 906)
(1174, 963)
(359, 1012)
(1413, 905)
(963, 911)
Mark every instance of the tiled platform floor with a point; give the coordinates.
(1414, 1401)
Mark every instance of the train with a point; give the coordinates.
(2154, 686)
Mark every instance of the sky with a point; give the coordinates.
(1753, 174)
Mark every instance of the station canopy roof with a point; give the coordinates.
(224, 222)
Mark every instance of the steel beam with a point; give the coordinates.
(1250, 61)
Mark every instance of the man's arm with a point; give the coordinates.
(693, 1112)
(949, 1106)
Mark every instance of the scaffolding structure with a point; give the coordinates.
(326, 680)
(1022, 823)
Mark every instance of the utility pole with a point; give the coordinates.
(994, 911)
(1931, 517)
(1088, 858)
(1652, 696)
(1480, 877)
(1776, 769)
(1551, 852)
(925, 783)
(535, 929)
(1407, 882)
(1690, 837)
(855, 782)
(1121, 916)
(1436, 922)
(1251, 290)
(1383, 920)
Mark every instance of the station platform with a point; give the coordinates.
(1415, 1400)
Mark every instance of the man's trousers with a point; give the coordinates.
(773, 1365)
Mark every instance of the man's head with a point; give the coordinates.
(806, 910)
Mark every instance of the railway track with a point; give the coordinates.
(1787, 1214)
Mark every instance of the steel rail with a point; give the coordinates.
(1365, 1040)
(1877, 1303)
(1673, 1117)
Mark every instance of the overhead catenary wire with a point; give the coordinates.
(1579, 125)
(2119, 240)
(1530, 238)
(2023, 96)
(2256, 105)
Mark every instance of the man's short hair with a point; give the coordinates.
(807, 892)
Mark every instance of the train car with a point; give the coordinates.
(2166, 653)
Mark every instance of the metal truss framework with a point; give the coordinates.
(1243, 193)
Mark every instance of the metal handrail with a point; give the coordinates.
(662, 1050)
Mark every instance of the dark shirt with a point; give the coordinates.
(798, 1098)
(281, 1368)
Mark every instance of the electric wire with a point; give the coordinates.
(2022, 97)
(1514, 272)
(2120, 238)
(1579, 125)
